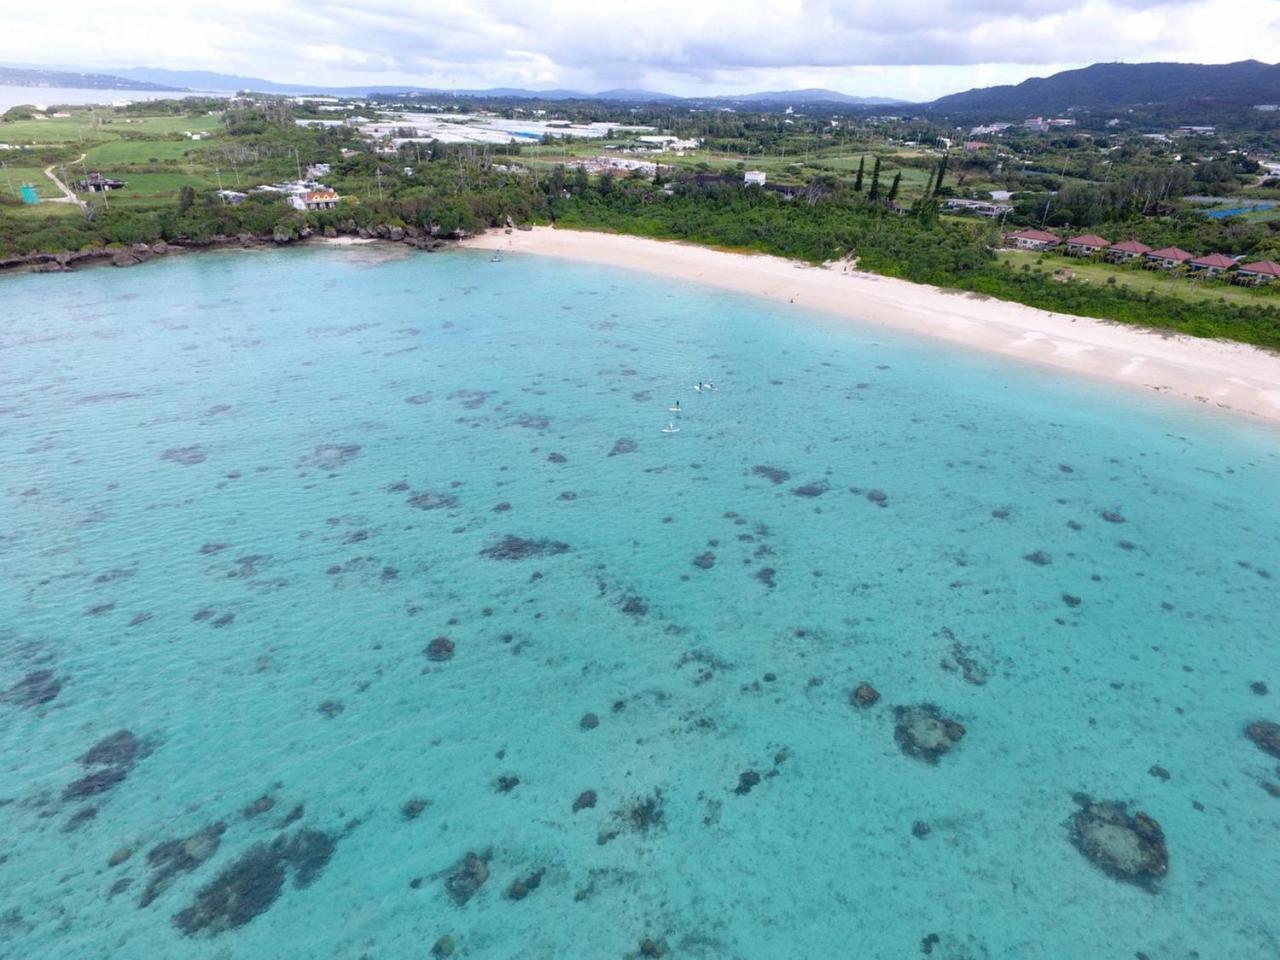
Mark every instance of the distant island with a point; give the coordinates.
(66, 79)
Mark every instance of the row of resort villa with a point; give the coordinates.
(1133, 251)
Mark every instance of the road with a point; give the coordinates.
(68, 196)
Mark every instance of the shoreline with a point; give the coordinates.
(1231, 376)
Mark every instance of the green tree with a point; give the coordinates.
(942, 172)
(893, 188)
(857, 183)
(580, 180)
(874, 192)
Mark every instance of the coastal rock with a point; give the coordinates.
(1128, 848)
(330, 231)
(159, 248)
(922, 731)
(1266, 734)
(395, 234)
(864, 695)
(467, 877)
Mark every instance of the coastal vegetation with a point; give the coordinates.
(862, 188)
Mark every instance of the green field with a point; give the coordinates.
(11, 178)
(1165, 283)
(143, 151)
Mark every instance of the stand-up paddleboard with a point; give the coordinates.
(670, 428)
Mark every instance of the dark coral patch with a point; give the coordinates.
(815, 489)
(1128, 848)
(467, 877)
(705, 561)
(440, 649)
(1038, 557)
(430, 500)
(624, 445)
(864, 695)
(187, 456)
(1266, 734)
(922, 731)
(37, 687)
(775, 475)
(518, 548)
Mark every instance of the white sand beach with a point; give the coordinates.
(1228, 375)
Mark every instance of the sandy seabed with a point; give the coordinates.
(1229, 375)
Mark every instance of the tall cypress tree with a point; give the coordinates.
(874, 193)
(893, 189)
(857, 183)
(942, 172)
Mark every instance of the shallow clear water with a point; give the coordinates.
(233, 446)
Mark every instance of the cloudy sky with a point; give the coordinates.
(914, 49)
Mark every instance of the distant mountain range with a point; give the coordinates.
(1116, 85)
(205, 80)
(1102, 86)
(70, 79)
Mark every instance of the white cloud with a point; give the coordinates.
(911, 48)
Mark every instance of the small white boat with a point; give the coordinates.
(670, 428)
(497, 257)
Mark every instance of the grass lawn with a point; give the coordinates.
(143, 151)
(152, 188)
(11, 178)
(1158, 281)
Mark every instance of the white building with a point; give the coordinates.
(754, 178)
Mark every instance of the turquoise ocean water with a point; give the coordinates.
(243, 493)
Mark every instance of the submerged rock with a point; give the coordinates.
(584, 801)
(1266, 734)
(37, 687)
(467, 877)
(922, 731)
(523, 886)
(443, 947)
(440, 649)
(624, 445)
(589, 721)
(815, 489)
(1128, 848)
(705, 561)
(187, 456)
(250, 885)
(429, 500)
(746, 780)
(330, 456)
(774, 475)
(244, 890)
(94, 783)
(169, 859)
(864, 695)
(518, 548)
(119, 748)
